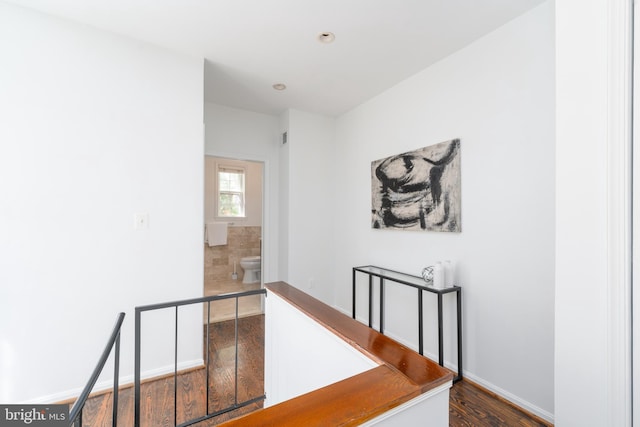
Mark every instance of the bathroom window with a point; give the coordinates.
(230, 192)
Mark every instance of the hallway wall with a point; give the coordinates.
(240, 134)
(497, 96)
(590, 349)
(95, 128)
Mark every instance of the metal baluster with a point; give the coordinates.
(207, 350)
(236, 335)
(136, 373)
(116, 374)
(175, 373)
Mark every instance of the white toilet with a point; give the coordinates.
(251, 266)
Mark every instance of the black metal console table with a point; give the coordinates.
(418, 283)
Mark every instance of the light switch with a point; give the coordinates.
(141, 221)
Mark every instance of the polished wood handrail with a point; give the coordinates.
(402, 375)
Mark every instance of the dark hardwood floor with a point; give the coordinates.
(157, 397)
(469, 405)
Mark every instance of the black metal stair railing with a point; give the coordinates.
(75, 415)
(175, 305)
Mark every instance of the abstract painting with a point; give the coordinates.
(418, 190)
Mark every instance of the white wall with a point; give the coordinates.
(294, 342)
(253, 190)
(587, 356)
(497, 96)
(245, 135)
(283, 187)
(312, 212)
(95, 127)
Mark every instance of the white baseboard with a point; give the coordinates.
(108, 385)
(527, 406)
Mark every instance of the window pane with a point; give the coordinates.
(231, 181)
(230, 204)
(230, 192)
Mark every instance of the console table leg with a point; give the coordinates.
(459, 303)
(370, 301)
(353, 293)
(420, 324)
(381, 305)
(440, 343)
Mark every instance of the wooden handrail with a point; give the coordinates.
(402, 375)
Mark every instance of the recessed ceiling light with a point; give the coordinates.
(279, 86)
(326, 37)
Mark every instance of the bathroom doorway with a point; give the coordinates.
(233, 215)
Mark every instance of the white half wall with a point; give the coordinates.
(497, 96)
(95, 128)
(293, 343)
(245, 135)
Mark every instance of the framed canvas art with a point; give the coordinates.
(418, 190)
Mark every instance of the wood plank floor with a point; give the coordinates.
(469, 405)
(157, 397)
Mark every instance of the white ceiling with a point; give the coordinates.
(251, 44)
